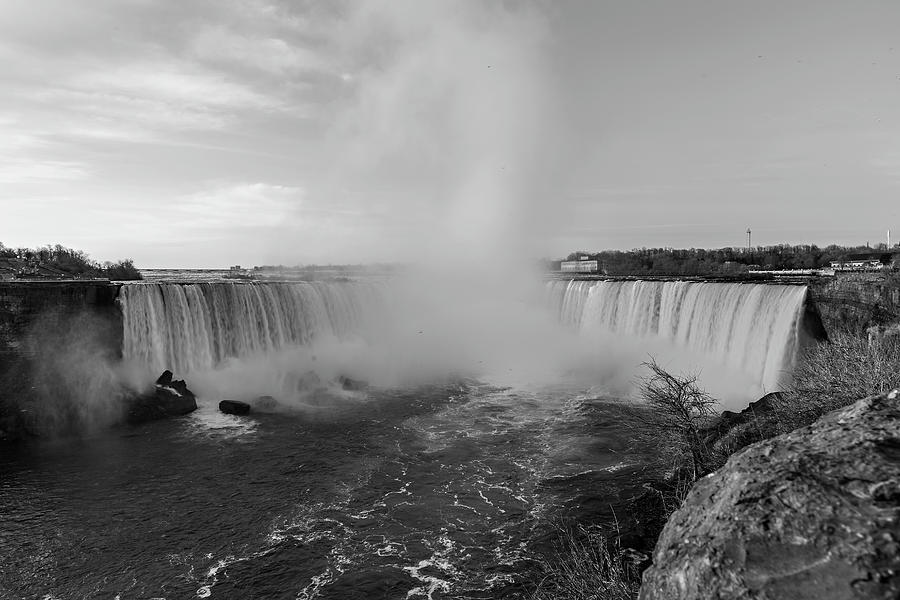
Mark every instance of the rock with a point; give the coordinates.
(180, 386)
(234, 407)
(164, 401)
(732, 431)
(165, 378)
(814, 514)
(763, 406)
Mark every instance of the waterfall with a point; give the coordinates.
(184, 327)
(750, 327)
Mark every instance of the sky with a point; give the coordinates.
(207, 133)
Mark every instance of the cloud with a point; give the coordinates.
(244, 205)
(173, 83)
(272, 55)
(445, 121)
(13, 171)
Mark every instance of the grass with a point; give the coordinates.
(836, 374)
(588, 566)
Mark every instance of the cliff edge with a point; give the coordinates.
(814, 513)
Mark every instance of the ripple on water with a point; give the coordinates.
(415, 497)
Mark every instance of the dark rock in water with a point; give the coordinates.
(164, 401)
(234, 407)
(165, 378)
(265, 404)
(180, 386)
(811, 514)
(355, 385)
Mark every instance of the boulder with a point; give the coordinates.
(167, 399)
(732, 431)
(165, 378)
(234, 407)
(814, 514)
(763, 406)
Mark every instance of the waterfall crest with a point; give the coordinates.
(751, 327)
(192, 326)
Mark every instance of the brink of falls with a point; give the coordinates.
(185, 327)
(754, 328)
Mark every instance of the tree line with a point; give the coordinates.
(70, 262)
(721, 261)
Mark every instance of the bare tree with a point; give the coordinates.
(679, 409)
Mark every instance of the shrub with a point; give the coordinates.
(837, 373)
(679, 410)
(587, 566)
(124, 270)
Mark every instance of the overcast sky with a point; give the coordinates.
(216, 132)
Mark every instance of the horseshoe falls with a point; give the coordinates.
(185, 327)
(754, 328)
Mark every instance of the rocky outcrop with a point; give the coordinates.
(51, 305)
(169, 398)
(732, 431)
(855, 301)
(814, 513)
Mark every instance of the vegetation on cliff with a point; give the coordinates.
(813, 513)
(59, 262)
(123, 270)
(587, 566)
(835, 374)
(676, 418)
(721, 261)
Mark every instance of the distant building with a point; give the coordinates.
(870, 261)
(793, 272)
(579, 266)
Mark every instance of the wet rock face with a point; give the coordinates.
(169, 398)
(810, 514)
(234, 407)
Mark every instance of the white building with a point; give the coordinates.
(579, 266)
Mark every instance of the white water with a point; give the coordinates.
(751, 328)
(197, 326)
(250, 339)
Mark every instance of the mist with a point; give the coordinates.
(445, 141)
(443, 152)
(78, 384)
(447, 145)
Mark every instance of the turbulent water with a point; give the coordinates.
(435, 492)
(751, 327)
(449, 490)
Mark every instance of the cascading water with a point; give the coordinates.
(194, 326)
(751, 327)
